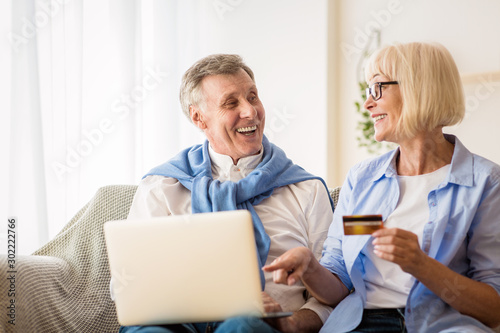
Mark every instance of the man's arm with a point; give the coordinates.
(303, 320)
(300, 264)
(159, 196)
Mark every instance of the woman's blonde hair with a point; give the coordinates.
(429, 81)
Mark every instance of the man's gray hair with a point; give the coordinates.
(216, 64)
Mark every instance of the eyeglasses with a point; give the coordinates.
(375, 90)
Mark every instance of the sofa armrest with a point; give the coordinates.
(37, 296)
(64, 286)
(47, 299)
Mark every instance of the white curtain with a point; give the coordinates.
(89, 98)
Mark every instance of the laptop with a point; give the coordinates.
(184, 268)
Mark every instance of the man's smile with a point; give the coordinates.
(247, 130)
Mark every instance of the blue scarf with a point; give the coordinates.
(193, 168)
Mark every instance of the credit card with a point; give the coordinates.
(362, 224)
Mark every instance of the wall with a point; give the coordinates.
(305, 56)
(284, 42)
(468, 29)
(92, 64)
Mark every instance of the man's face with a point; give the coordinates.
(231, 114)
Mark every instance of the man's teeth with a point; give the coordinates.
(377, 118)
(246, 129)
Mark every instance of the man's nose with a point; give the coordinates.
(247, 110)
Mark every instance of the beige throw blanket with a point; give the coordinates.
(64, 286)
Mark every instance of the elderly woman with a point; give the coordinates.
(435, 266)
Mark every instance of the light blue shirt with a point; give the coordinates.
(463, 233)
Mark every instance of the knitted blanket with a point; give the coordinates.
(64, 286)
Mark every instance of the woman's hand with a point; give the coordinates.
(469, 297)
(291, 266)
(400, 247)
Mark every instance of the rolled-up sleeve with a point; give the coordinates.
(484, 237)
(323, 311)
(333, 260)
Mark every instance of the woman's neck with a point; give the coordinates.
(424, 153)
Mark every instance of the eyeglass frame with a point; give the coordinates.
(369, 89)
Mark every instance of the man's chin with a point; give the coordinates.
(252, 139)
(253, 150)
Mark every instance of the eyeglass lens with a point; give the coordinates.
(375, 90)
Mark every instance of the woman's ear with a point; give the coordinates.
(197, 117)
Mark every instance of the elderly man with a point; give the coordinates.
(238, 168)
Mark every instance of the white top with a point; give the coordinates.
(294, 215)
(387, 286)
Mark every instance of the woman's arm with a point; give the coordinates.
(473, 298)
(300, 264)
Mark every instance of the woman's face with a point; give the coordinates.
(385, 111)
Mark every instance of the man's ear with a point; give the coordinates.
(197, 117)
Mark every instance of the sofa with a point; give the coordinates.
(64, 286)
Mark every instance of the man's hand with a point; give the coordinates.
(300, 321)
(291, 266)
(270, 304)
(299, 264)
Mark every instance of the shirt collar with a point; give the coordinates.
(462, 164)
(387, 166)
(461, 169)
(224, 163)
